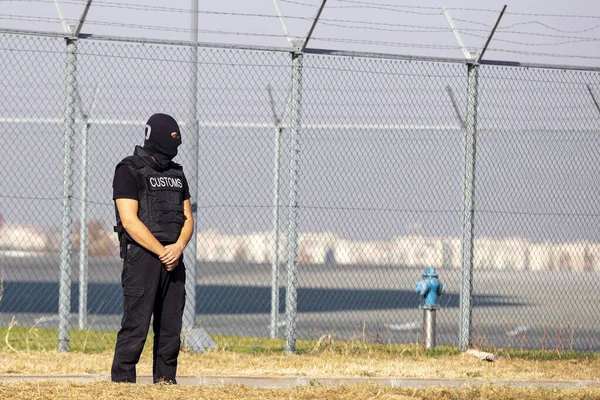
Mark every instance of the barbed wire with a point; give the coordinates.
(138, 7)
(487, 10)
(411, 28)
(575, 39)
(377, 23)
(101, 3)
(548, 27)
(187, 30)
(187, 11)
(403, 11)
(109, 4)
(393, 27)
(29, 18)
(504, 29)
(164, 9)
(579, 40)
(533, 53)
(350, 24)
(394, 44)
(590, 38)
(391, 44)
(425, 28)
(300, 3)
(468, 21)
(399, 6)
(179, 10)
(555, 15)
(370, 3)
(396, 7)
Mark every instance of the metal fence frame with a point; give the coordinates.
(295, 126)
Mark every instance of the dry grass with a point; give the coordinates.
(106, 390)
(325, 357)
(325, 363)
(348, 359)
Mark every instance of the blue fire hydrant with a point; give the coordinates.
(429, 288)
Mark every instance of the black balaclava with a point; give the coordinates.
(159, 142)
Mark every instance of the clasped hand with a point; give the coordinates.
(170, 257)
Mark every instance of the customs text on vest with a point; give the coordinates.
(160, 196)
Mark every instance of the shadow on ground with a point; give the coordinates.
(107, 299)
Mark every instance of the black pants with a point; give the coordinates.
(149, 289)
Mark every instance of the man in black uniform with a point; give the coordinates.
(154, 223)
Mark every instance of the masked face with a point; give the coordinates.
(163, 137)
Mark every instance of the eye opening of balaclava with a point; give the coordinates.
(159, 141)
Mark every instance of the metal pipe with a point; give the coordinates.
(66, 27)
(429, 328)
(463, 48)
(83, 232)
(317, 127)
(275, 265)
(285, 31)
(83, 228)
(466, 287)
(491, 35)
(291, 304)
(82, 19)
(189, 312)
(314, 24)
(275, 262)
(64, 296)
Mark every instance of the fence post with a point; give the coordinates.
(466, 287)
(275, 262)
(66, 246)
(189, 254)
(291, 303)
(83, 229)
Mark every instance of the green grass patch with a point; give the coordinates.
(326, 344)
(547, 355)
(32, 339)
(99, 341)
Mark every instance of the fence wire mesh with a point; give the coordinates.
(536, 244)
(344, 175)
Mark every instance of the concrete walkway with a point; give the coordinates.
(293, 381)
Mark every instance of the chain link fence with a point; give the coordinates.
(537, 212)
(325, 184)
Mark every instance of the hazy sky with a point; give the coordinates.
(567, 32)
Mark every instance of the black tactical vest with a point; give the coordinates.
(160, 196)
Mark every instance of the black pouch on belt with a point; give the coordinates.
(122, 240)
